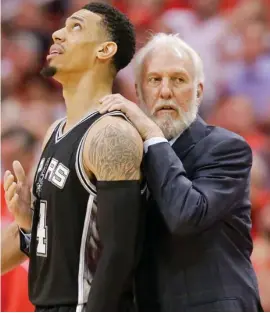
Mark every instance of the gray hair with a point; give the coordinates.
(174, 42)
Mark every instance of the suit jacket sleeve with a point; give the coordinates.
(189, 206)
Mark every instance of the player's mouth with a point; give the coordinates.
(55, 50)
(52, 55)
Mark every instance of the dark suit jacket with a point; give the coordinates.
(196, 254)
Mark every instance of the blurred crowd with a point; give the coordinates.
(231, 36)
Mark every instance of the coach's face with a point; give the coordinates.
(169, 91)
(78, 45)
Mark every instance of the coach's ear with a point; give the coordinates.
(139, 95)
(107, 50)
(199, 93)
(136, 89)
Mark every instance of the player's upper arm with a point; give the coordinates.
(113, 150)
(49, 133)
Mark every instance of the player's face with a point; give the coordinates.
(76, 45)
(169, 91)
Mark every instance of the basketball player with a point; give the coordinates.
(87, 195)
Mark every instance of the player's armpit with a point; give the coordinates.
(113, 150)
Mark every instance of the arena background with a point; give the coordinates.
(233, 40)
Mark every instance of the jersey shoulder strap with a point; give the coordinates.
(54, 128)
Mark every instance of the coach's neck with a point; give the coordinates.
(82, 92)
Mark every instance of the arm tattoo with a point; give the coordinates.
(115, 153)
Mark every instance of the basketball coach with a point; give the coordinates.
(197, 247)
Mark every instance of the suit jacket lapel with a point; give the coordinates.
(189, 138)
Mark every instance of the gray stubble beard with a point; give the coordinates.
(171, 127)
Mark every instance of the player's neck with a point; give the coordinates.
(83, 95)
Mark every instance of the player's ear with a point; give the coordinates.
(107, 50)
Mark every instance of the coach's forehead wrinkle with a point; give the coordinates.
(170, 60)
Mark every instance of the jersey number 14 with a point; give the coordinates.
(42, 230)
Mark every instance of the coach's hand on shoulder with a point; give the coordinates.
(145, 126)
(18, 196)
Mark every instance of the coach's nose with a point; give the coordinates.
(165, 89)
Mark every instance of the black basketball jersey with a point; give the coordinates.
(64, 244)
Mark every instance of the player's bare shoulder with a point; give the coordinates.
(113, 150)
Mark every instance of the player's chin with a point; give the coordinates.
(52, 63)
(48, 70)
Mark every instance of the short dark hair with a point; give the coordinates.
(120, 30)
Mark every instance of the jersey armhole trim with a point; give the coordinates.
(83, 177)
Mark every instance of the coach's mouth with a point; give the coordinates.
(165, 109)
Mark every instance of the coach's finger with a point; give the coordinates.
(109, 101)
(19, 171)
(113, 107)
(116, 107)
(11, 191)
(8, 181)
(104, 108)
(106, 105)
(108, 97)
(104, 99)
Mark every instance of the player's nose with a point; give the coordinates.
(59, 35)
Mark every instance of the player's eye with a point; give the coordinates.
(76, 26)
